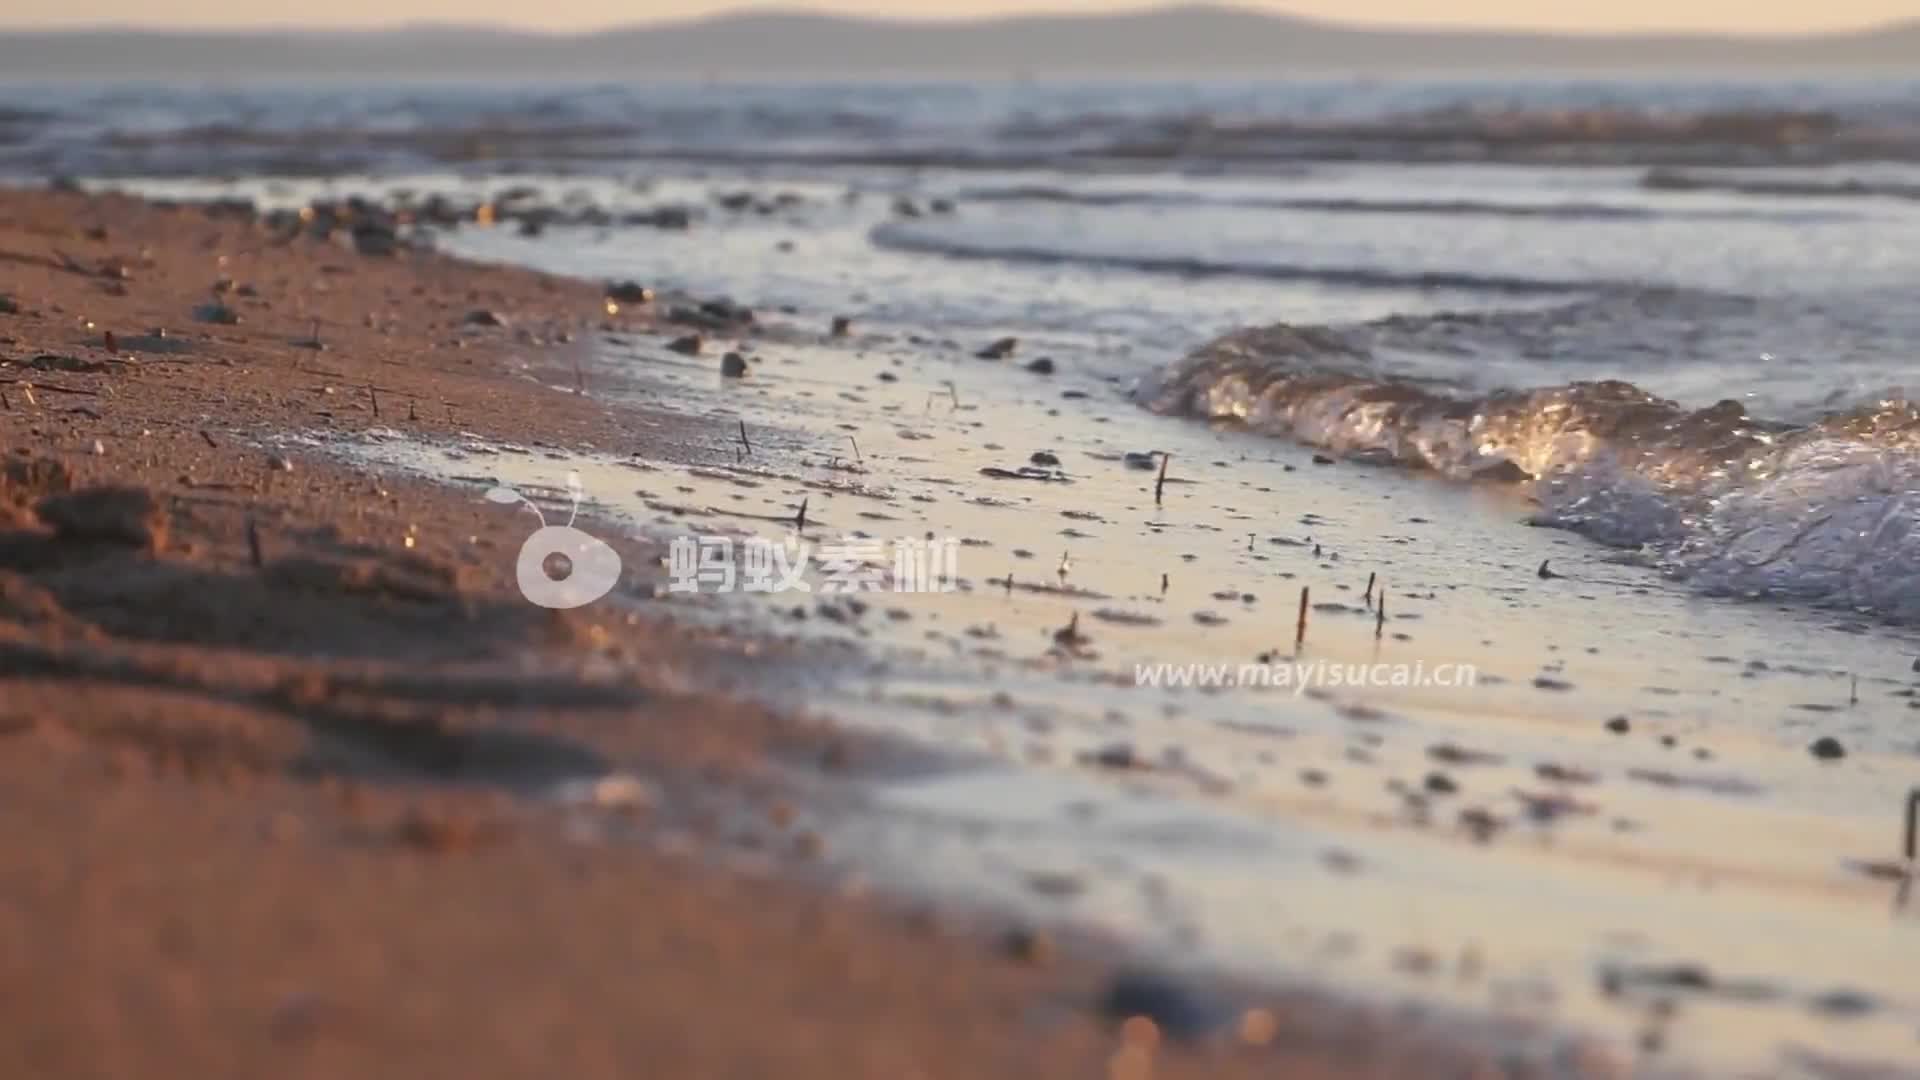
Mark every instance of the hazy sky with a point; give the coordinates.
(1765, 16)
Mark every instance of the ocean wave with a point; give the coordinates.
(1575, 211)
(903, 238)
(1682, 180)
(1826, 512)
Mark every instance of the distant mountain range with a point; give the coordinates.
(1194, 40)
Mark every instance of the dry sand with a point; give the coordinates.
(290, 813)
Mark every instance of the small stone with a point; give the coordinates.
(1027, 946)
(1042, 458)
(1042, 365)
(690, 345)
(619, 792)
(1827, 748)
(375, 240)
(733, 365)
(1619, 725)
(484, 317)
(1000, 349)
(276, 463)
(1440, 783)
(1322, 459)
(629, 292)
(99, 448)
(842, 326)
(1181, 1011)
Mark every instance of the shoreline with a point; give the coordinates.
(293, 772)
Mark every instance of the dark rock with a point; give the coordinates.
(842, 326)
(1827, 748)
(121, 515)
(726, 311)
(1041, 365)
(629, 292)
(690, 345)
(1619, 725)
(8, 306)
(1116, 756)
(1322, 459)
(1179, 1010)
(484, 317)
(373, 239)
(733, 365)
(906, 207)
(1440, 783)
(1027, 946)
(1041, 457)
(1000, 349)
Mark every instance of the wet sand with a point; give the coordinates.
(296, 783)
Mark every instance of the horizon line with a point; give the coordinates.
(749, 11)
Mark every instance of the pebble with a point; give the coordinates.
(690, 345)
(1181, 1011)
(629, 292)
(1619, 725)
(733, 365)
(1000, 349)
(1827, 748)
(615, 792)
(484, 317)
(1028, 946)
(1041, 365)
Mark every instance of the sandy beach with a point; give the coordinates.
(974, 579)
(297, 784)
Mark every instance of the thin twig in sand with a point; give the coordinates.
(856, 449)
(1161, 481)
(1300, 628)
(1367, 597)
(375, 396)
(744, 441)
(1380, 614)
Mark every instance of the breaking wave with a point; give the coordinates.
(1826, 512)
